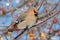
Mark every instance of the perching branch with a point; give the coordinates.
(52, 15)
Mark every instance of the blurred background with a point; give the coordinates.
(48, 30)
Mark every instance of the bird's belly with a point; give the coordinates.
(21, 25)
(31, 22)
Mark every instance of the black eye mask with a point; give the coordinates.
(36, 15)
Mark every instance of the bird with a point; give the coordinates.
(30, 19)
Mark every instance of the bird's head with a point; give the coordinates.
(35, 11)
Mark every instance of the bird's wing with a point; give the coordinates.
(22, 17)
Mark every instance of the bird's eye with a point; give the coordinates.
(36, 14)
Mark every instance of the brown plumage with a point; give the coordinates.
(29, 20)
